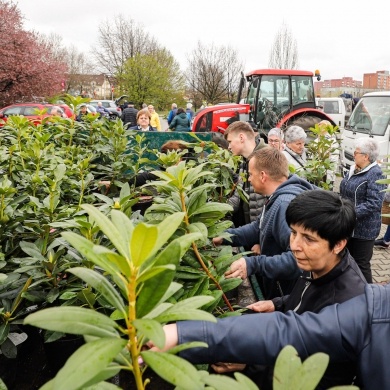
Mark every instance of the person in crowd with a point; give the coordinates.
(56, 111)
(172, 113)
(180, 122)
(275, 268)
(129, 115)
(154, 118)
(242, 141)
(294, 148)
(355, 331)
(321, 223)
(144, 106)
(101, 110)
(275, 138)
(361, 187)
(189, 112)
(82, 113)
(124, 105)
(143, 121)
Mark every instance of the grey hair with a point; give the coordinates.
(368, 146)
(276, 132)
(294, 133)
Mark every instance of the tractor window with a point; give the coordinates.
(302, 89)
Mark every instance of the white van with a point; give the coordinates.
(370, 118)
(334, 107)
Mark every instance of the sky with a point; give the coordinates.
(341, 38)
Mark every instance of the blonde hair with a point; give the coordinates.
(240, 127)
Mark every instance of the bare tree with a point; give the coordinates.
(284, 51)
(79, 69)
(213, 73)
(120, 39)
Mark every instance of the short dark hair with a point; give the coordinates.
(323, 212)
(179, 110)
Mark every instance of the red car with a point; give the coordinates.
(30, 110)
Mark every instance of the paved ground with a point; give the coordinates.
(380, 262)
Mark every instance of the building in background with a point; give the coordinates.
(378, 81)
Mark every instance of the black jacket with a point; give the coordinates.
(129, 116)
(343, 282)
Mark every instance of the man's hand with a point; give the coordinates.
(262, 307)
(222, 368)
(256, 249)
(171, 339)
(217, 241)
(237, 269)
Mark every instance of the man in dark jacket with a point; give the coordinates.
(129, 115)
(275, 268)
(354, 331)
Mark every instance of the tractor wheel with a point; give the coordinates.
(305, 121)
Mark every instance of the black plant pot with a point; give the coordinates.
(58, 352)
(143, 204)
(26, 371)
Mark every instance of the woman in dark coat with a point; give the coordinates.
(180, 122)
(361, 187)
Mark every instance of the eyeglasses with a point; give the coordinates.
(355, 153)
(273, 141)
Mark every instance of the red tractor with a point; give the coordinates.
(275, 98)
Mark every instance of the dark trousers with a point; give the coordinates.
(362, 250)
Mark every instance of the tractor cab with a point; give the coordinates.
(274, 98)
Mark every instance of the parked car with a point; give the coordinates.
(30, 110)
(115, 111)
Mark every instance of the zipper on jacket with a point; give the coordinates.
(307, 284)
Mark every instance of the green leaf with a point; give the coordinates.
(102, 285)
(173, 369)
(211, 207)
(89, 250)
(311, 371)
(73, 320)
(152, 330)
(223, 382)
(245, 381)
(32, 250)
(109, 229)
(151, 291)
(181, 314)
(4, 331)
(124, 224)
(230, 284)
(150, 273)
(183, 347)
(87, 362)
(287, 365)
(143, 243)
(196, 199)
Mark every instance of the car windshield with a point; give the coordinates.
(370, 116)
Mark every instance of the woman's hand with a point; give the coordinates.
(262, 307)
